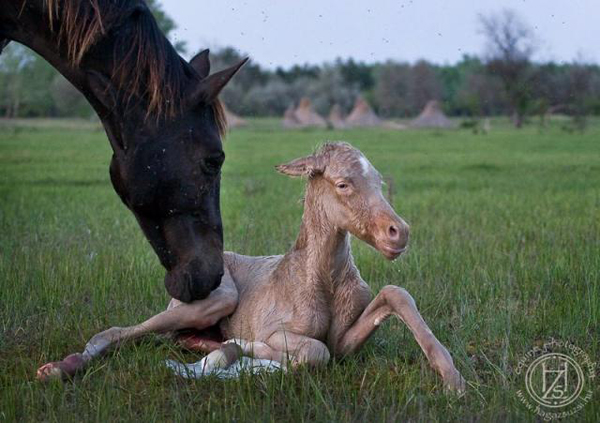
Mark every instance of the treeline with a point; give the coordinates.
(467, 88)
(503, 82)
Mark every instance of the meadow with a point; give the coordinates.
(504, 255)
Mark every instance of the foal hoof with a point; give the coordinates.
(455, 384)
(61, 369)
(49, 371)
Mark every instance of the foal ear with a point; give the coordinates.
(305, 166)
(201, 64)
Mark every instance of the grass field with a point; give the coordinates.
(505, 254)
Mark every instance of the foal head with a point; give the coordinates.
(347, 189)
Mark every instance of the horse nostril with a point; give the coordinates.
(393, 232)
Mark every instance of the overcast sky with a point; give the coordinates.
(283, 32)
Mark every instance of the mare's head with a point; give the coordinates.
(167, 171)
(347, 189)
(161, 114)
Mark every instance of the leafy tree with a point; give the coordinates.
(297, 71)
(511, 44)
(67, 100)
(403, 90)
(14, 60)
(424, 86)
(356, 74)
(391, 89)
(582, 92)
(332, 88)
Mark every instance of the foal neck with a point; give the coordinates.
(324, 248)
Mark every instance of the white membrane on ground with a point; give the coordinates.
(200, 368)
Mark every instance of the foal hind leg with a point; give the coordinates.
(198, 314)
(293, 349)
(283, 347)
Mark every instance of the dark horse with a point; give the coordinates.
(161, 115)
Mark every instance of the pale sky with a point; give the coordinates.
(283, 33)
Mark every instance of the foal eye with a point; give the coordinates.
(341, 185)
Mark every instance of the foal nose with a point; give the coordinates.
(398, 233)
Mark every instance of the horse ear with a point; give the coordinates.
(201, 64)
(102, 89)
(209, 88)
(305, 166)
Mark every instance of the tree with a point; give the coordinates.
(356, 74)
(236, 93)
(424, 86)
(510, 43)
(391, 89)
(581, 93)
(332, 88)
(67, 100)
(403, 90)
(14, 60)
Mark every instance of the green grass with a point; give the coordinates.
(505, 254)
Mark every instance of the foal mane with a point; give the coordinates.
(144, 63)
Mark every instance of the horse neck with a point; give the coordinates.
(28, 22)
(323, 248)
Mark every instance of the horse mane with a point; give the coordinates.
(144, 63)
(220, 116)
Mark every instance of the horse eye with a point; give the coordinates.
(213, 164)
(341, 185)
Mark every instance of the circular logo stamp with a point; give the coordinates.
(557, 378)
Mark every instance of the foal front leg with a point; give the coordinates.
(198, 315)
(393, 300)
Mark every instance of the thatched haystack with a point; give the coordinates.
(289, 117)
(306, 115)
(303, 116)
(432, 116)
(336, 118)
(362, 115)
(233, 120)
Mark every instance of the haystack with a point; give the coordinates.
(233, 120)
(362, 115)
(432, 116)
(336, 118)
(306, 116)
(289, 117)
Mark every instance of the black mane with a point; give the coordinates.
(144, 65)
